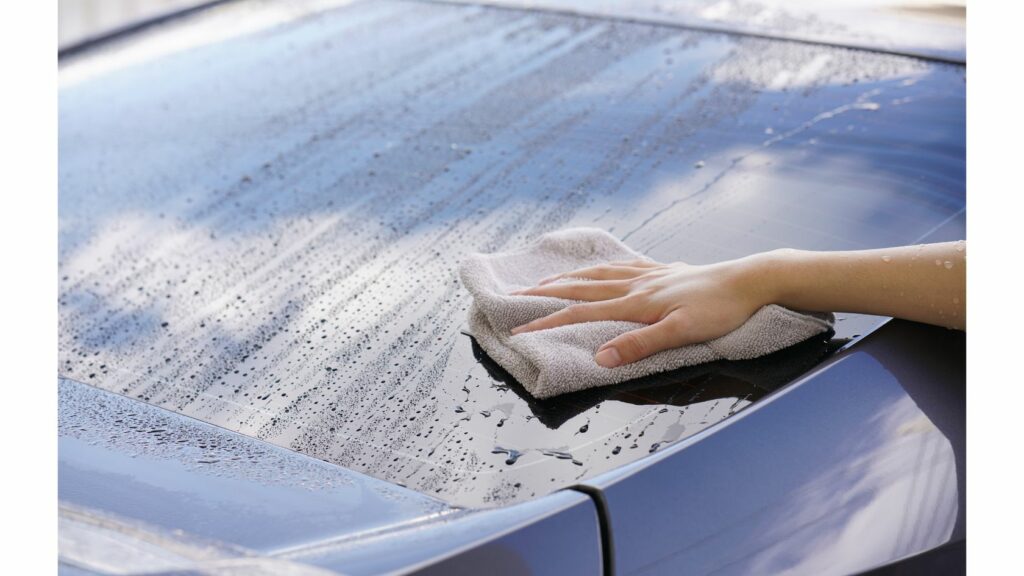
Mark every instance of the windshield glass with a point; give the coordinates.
(263, 209)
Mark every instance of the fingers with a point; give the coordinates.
(611, 271)
(607, 310)
(642, 342)
(590, 291)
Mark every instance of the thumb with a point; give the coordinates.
(641, 343)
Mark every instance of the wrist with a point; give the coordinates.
(764, 276)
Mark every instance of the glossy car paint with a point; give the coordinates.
(152, 481)
(262, 208)
(261, 231)
(857, 464)
(139, 461)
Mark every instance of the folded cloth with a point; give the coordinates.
(559, 360)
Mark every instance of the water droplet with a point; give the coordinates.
(699, 164)
(938, 262)
(513, 454)
(886, 258)
(947, 264)
(561, 456)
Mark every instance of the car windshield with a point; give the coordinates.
(263, 209)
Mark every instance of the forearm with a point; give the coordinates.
(925, 283)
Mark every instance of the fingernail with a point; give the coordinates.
(609, 357)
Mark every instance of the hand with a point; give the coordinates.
(680, 303)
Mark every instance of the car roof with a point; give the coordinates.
(263, 208)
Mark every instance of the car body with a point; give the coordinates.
(264, 364)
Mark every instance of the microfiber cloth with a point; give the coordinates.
(560, 360)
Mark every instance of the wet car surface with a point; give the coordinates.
(261, 230)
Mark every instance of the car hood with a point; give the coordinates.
(263, 208)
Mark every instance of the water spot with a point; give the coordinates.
(947, 264)
(513, 454)
(938, 262)
(617, 449)
(699, 164)
(654, 447)
(886, 258)
(584, 428)
(561, 456)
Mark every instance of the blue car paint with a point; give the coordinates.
(136, 461)
(262, 231)
(143, 462)
(805, 480)
(510, 123)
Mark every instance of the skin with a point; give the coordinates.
(685, 304)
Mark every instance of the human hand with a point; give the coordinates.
(680, 303)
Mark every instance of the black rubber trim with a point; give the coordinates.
(698, 28)
(607, 547)
(117, 33)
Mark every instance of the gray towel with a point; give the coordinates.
(559, 360)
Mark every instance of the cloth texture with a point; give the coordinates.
(560, 360)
